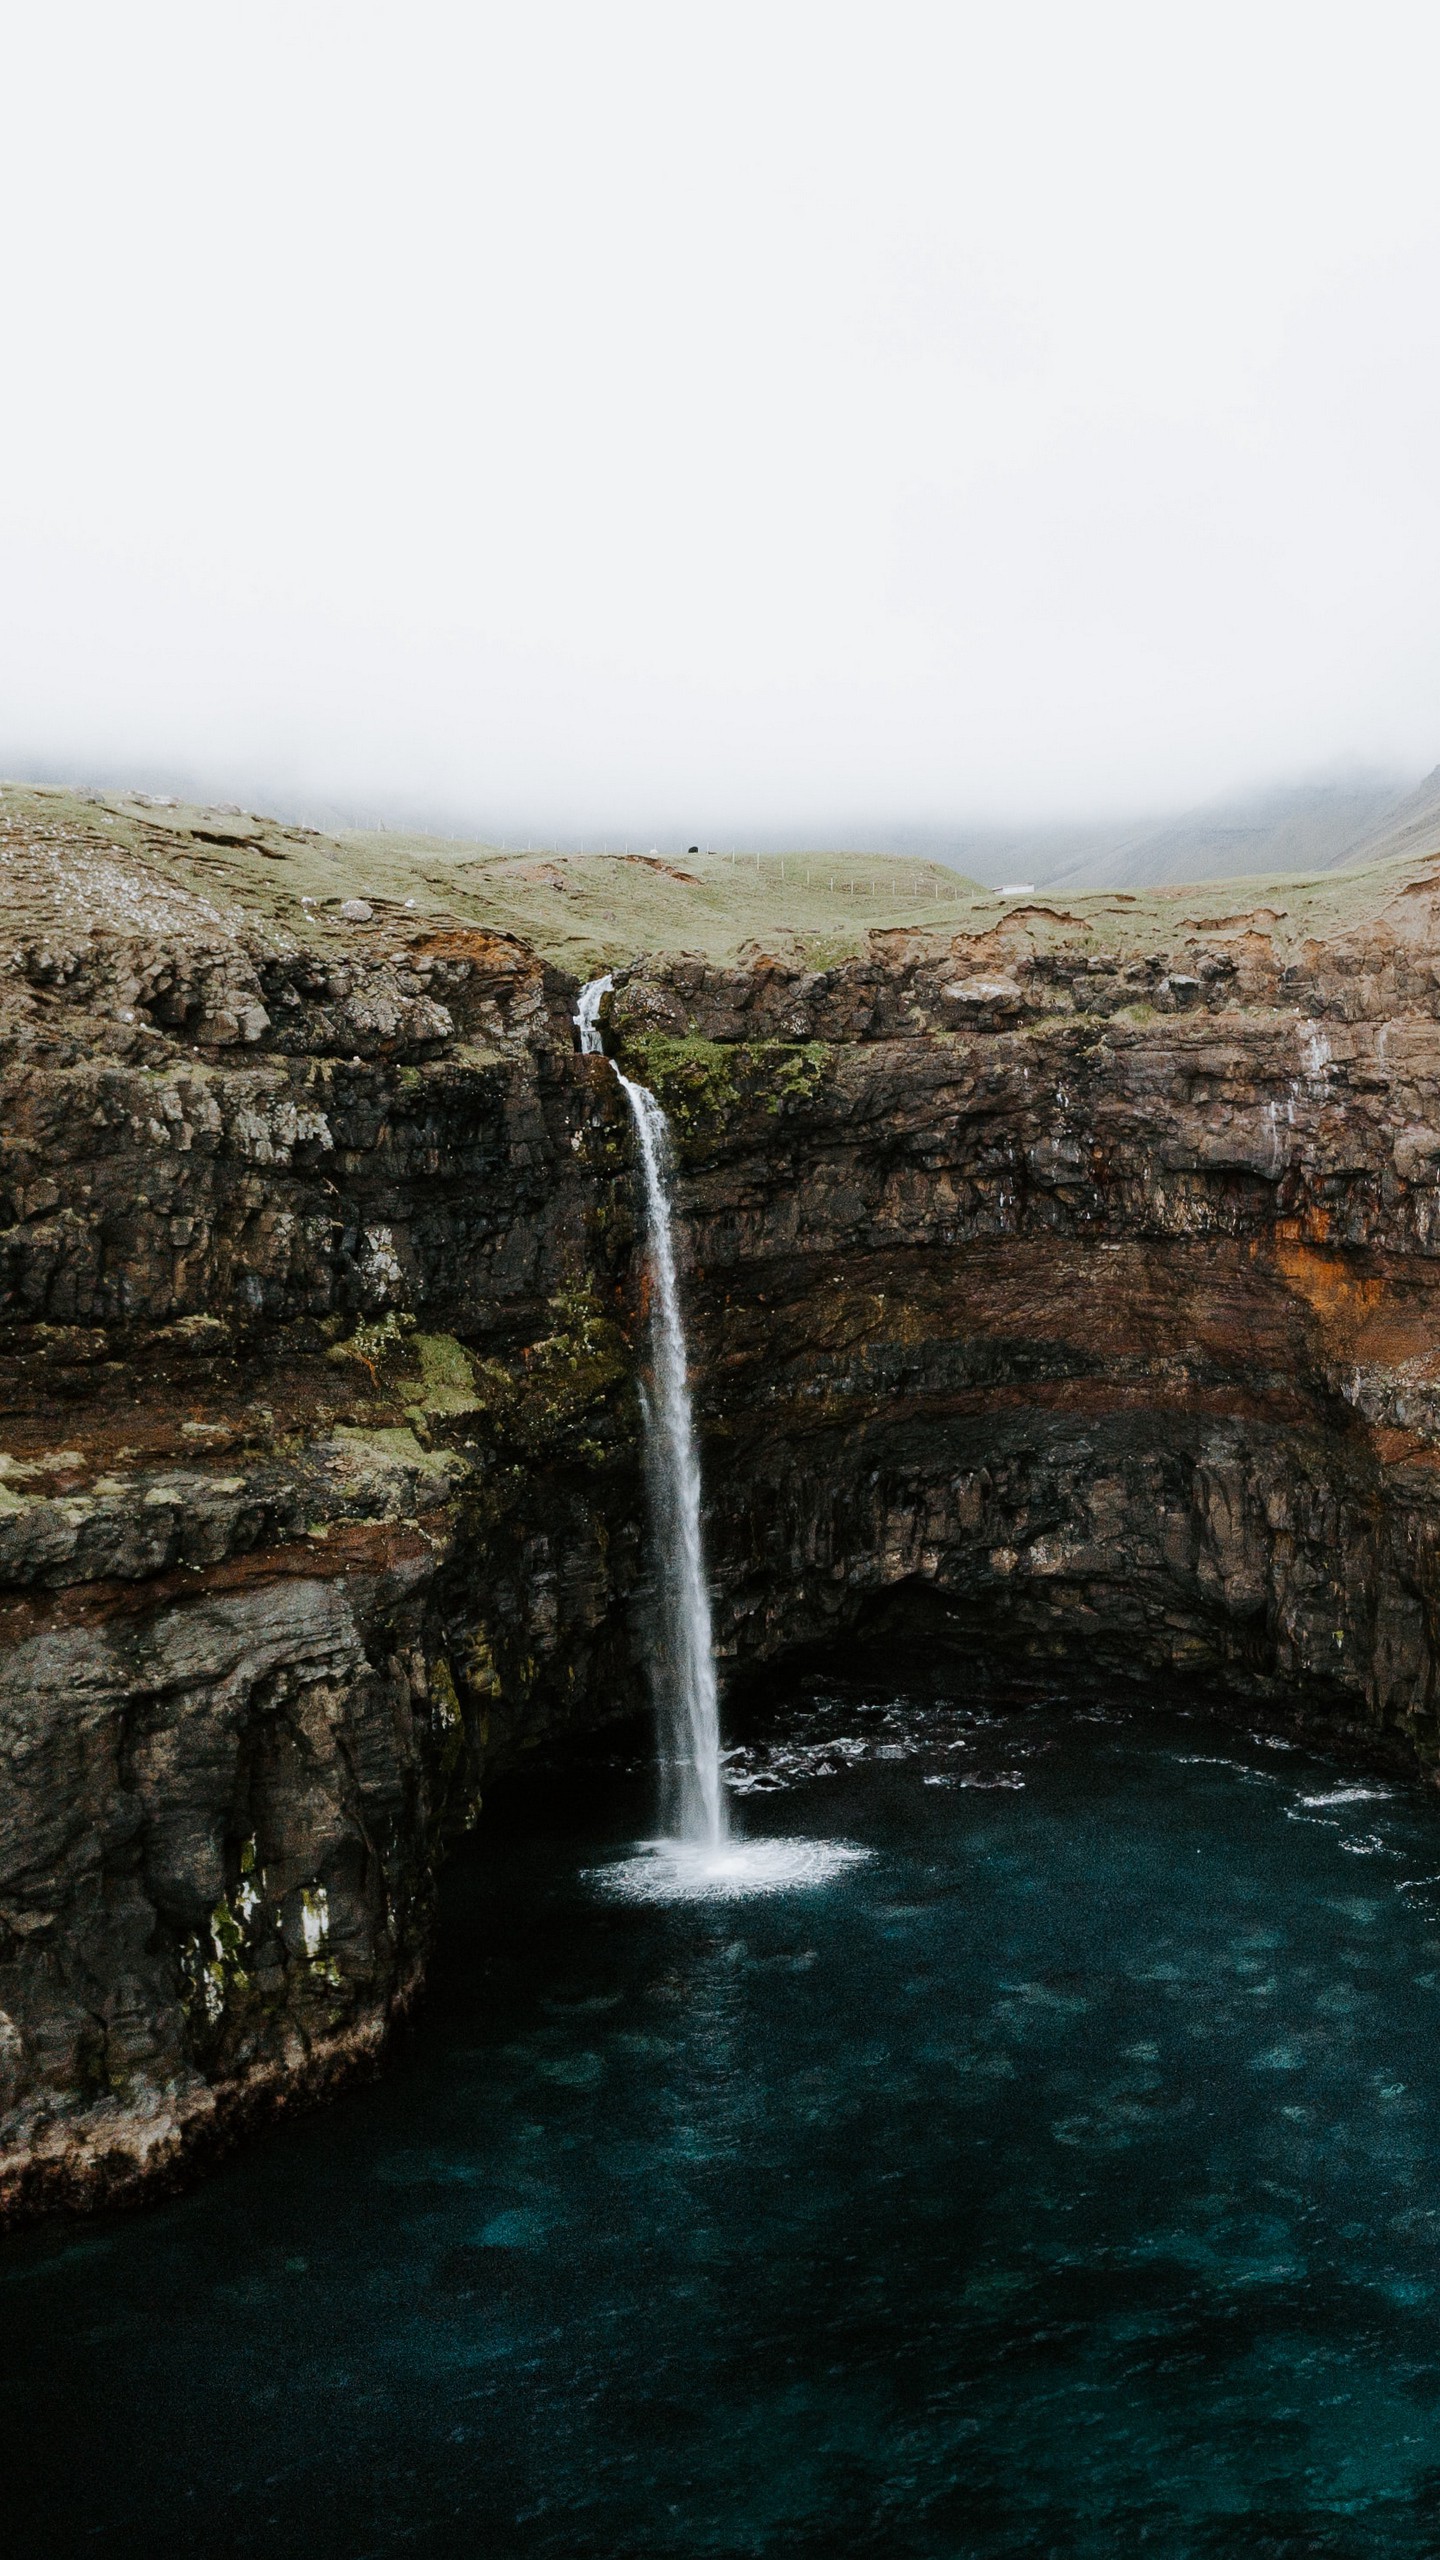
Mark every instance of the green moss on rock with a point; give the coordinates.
(447, 1372)
(703, 1084)
(546, 1403)
(694, 1080)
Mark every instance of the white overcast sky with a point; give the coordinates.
(709, 417)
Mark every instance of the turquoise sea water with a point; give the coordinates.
(1062, 2178)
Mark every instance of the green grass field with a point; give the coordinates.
(597, 910)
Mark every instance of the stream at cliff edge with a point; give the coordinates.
(1063, 2177)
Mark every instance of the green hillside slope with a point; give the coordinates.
(120, 854)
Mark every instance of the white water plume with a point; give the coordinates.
(685, 1672)
(730, 1871)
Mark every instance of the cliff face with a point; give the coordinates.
(319, 1487)
(1062, 1289)
(1075, 1312)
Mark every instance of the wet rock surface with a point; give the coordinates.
(1057, 1294)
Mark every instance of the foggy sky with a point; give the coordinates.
(699, 417)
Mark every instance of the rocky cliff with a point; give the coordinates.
(1062, 1285)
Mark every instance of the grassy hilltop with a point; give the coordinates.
(591, 911)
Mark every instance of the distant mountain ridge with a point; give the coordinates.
(1410, 825)
(1304, 827)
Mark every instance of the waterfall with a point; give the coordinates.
(700, 1860)
(685, 1671)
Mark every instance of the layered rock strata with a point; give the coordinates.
(1060, 1292)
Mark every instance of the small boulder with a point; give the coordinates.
(1417, 1153)
(990, 994)
(1177, 994)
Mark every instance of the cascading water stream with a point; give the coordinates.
(689, 1704)
(699, 1859)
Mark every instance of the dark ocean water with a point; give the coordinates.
(1064, 2178)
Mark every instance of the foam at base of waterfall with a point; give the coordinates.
(728, 1871)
